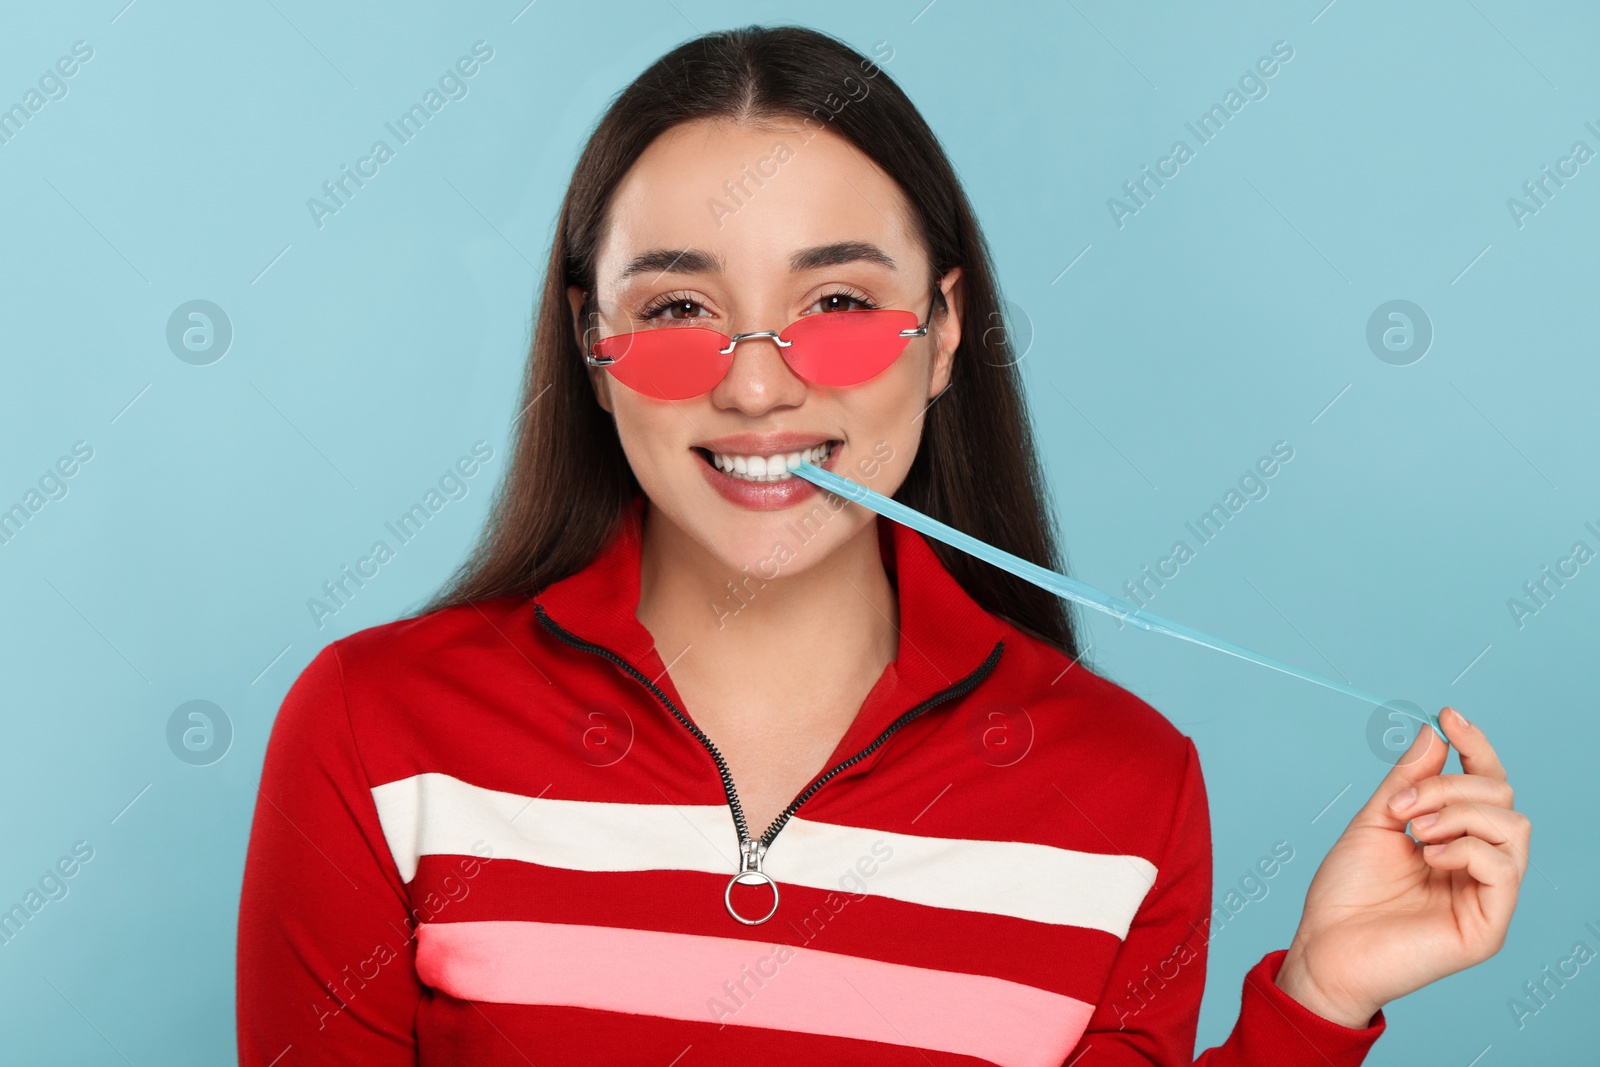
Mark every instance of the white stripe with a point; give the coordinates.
(1017, 878)
(436, 814)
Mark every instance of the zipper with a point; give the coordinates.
(752, 851)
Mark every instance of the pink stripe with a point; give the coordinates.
(698, 978)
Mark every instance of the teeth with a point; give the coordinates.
(773, 468)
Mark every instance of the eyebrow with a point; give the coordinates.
(695, 261)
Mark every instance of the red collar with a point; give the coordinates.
(944, 634)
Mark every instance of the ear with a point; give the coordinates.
(947, 331)
(575, 297)
(599, 380)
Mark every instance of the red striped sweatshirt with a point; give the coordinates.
(493, 834)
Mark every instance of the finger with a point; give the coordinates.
(1498, 826)
(1495, 872)
(1423, 760)
(1477, 755)
(1432, 794)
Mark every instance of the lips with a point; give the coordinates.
(753, 470)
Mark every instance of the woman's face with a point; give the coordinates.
(721, 212)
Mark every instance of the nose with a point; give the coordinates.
(759, 378)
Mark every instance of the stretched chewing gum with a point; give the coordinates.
(1069, 588)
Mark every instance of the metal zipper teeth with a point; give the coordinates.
(722, 767)
(960, 688)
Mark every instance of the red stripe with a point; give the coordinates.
(1060, 959)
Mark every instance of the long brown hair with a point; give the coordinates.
(569, 481)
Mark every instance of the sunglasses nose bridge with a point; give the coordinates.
(764, 377)
(736, 338)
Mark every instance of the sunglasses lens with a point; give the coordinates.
(668, 363)
(846, 347)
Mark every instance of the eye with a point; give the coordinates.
(837, 300)
(675, 302)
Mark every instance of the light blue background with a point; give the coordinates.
(1228, 314)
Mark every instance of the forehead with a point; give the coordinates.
(751, 196)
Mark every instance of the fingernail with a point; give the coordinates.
(1403, 799)
(1463, 718)
(1433, 850)
(1425, 821)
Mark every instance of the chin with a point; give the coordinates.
(778, 544)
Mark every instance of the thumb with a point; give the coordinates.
(1424, 759)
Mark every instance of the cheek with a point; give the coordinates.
(600, 385)
(650, 432)
(884, 420)
(904, 395)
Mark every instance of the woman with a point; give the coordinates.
(693, 762)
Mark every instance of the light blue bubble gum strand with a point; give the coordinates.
(1072, 588)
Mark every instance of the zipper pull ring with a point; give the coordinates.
(750, 873)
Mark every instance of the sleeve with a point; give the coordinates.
(326, 955)
(1150, 1011)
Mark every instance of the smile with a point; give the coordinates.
(773, 468)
